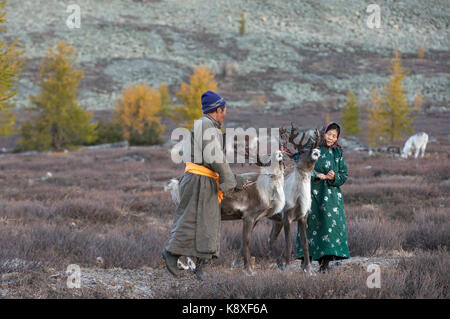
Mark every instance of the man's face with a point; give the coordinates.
(221, 114)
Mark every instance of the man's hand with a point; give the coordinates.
(322, 176)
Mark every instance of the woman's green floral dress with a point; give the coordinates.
(326, 230)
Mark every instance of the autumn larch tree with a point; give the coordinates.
(391, 115)
(61, 122)
(190, 94)
(139, 111)
(11, 63)
(350, 115)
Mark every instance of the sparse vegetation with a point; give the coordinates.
(111, 204)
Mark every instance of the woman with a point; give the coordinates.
(326, 230)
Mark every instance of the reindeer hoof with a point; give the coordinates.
(235, 264)
(308, 271)
(280, 264)
(249, 272)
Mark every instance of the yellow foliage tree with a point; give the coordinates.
(190, 94)
(350, 115)
(165, 99)
(391, 115)
(11, 63)
(421, 53)
(139, 110)
(376, 120)
(61, 123)
(242, 23)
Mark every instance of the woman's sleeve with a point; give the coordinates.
(341, 176)
(314, 177)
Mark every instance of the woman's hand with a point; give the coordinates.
(330, 175)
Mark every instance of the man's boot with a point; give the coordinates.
(171, 262)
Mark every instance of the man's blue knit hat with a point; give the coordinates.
(211, 101)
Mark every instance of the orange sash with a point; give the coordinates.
(202, 170)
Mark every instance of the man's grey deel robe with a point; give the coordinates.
(196, 228)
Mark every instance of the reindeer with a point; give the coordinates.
(297, 189)
(261, 196)
(415, 143)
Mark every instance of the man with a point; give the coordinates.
(196, 228)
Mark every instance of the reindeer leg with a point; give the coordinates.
(287, 237)
(276, 229)
(237, 261)
(306, 265)
(416, 152)
(246, 238)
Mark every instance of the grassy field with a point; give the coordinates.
(111, 204)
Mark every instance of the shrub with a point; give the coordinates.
(108, 132)
(150, 135)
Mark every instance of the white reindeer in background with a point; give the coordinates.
(416, 143)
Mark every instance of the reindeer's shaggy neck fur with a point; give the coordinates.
(270, 186)
(298, 186)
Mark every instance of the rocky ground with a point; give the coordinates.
(148, 282)
(293, 54)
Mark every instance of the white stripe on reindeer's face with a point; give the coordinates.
(278, 156)
(315, 154)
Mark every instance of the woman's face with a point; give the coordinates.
(331, 137)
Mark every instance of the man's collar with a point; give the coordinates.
(213, 120)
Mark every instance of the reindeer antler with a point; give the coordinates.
(318, 137)
(247, 152)
(300, 146)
